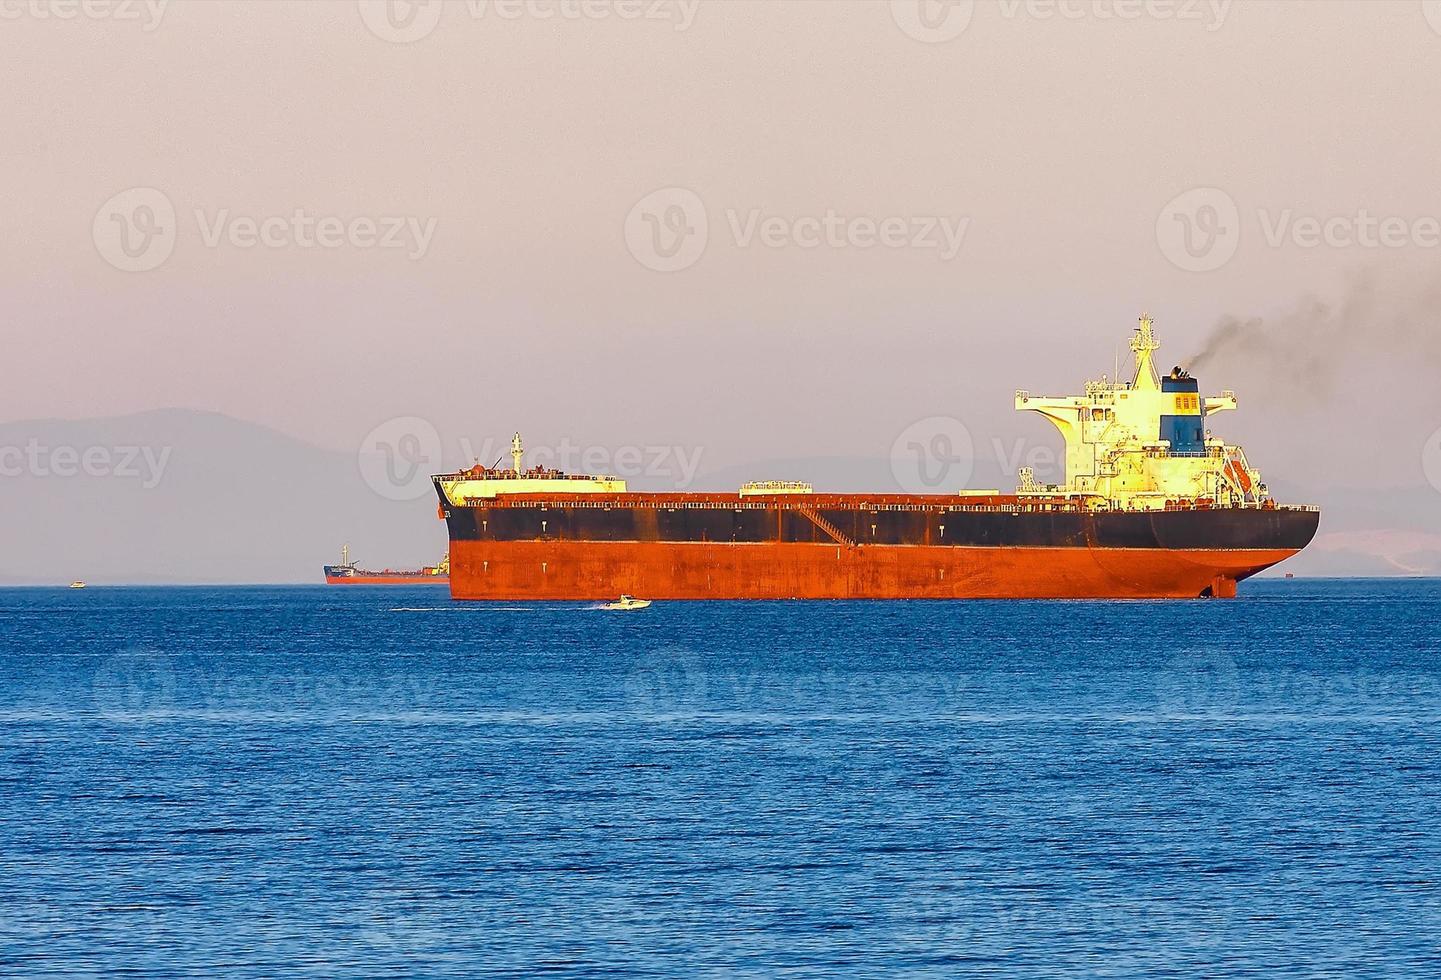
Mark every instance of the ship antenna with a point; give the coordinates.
(516, 452)
(345, 554)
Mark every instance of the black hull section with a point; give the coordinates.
(1184, 530)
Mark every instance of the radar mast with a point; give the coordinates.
(1144, 344)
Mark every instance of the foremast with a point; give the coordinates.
(483, 482)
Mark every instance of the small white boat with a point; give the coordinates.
(77, 584)
(627, 602)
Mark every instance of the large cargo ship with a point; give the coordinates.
(348, 573)
(1153, 506)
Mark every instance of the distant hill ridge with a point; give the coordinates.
(188, 496)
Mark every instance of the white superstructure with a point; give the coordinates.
(1144, 444)
(480, 483)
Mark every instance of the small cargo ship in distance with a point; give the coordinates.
(346, 573)
(1153, 506)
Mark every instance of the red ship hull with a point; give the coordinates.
(840, 546)
(379, 579)
(692, 570)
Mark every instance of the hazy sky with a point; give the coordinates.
(506, 148)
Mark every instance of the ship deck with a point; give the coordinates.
(949, 503)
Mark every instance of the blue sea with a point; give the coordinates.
(379, 782)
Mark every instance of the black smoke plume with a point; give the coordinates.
(1378, 318)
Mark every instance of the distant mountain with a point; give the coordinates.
(186, 496)
(195, 497)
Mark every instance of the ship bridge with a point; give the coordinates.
(1144, 444)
